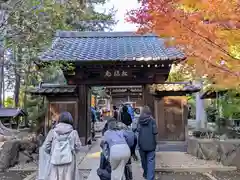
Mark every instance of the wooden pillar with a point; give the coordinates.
(148, 99)
(160, 117)
(84, 121)
(111, 105)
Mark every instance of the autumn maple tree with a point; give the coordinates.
(208, 31)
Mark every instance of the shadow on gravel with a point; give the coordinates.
(180, 176)
(231, 175)
(84, 173)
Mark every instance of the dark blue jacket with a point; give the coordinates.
(147, 131)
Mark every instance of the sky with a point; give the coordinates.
(122, 6)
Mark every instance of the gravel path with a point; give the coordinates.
(83, 175)
(181, 176)
(177, 147)
(14, 175)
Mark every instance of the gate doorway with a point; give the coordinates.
(107, 59)
(171, 110)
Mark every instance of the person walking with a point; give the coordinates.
(125, 116)
(130, 111)
(93, 122)
(147, 131)
(62, 144)
(119, 150)
(104, 170)
(115, 112)
(131, 140)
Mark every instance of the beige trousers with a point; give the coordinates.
(119, 156)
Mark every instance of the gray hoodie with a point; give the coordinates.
(147, 130)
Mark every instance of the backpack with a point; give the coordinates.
(62, 151)
(126, 118)
(131, 112)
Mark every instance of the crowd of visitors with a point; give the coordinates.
(121, 136)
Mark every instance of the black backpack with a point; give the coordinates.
(126, 118)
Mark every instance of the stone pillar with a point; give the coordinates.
(201, 119)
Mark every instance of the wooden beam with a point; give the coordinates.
(84, 123)
(130, 81)
(118, 75)
(125, 87)
(121, 63)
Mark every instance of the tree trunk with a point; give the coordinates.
(3, 85)
(2, 18)
(17, 77)
(1, 81)
(16, 88)
(18, 63)
(26, 83)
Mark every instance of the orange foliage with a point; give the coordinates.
(177, 101)
(204, 29)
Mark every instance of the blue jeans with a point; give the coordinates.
(148, 164)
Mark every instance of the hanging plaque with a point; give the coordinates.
(116, 74)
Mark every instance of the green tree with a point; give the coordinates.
(230, 105)
(31, 26)
(9, 102)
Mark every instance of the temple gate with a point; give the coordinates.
(105, 59)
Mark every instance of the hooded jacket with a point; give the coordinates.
(125, 116)
(147, 133)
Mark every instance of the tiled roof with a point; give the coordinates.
(53, 89)
(108, 46)
(211, 94)
(174, 88)
(123, 89)
(11, 112)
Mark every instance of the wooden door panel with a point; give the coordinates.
(55, 108)
(171, 119)
(174, 119)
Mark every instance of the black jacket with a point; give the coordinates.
(125, 116)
